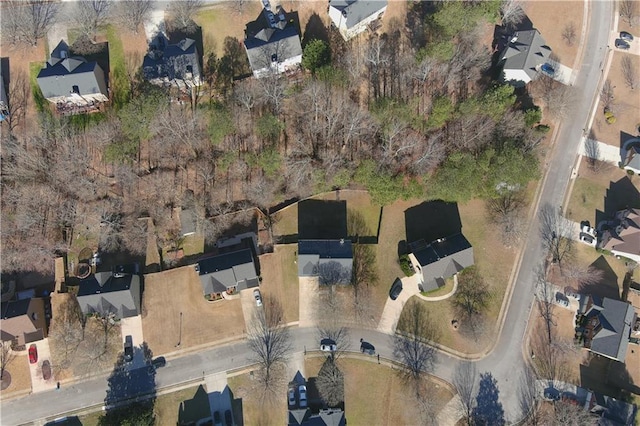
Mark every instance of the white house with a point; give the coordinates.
(352, 17)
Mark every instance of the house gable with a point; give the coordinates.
(221, 272)
(169, 63)
(352, 16)
(524, 53)
(315, 255)
(103, 293)
(611, 322)
(23, 320)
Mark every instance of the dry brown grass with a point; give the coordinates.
(20, 376)
(625, 105)
(178, 290)
(550, 18)
(255, 409)
(280, 279)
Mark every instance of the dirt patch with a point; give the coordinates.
(625, 105)
(169, 293)
(551, 18)
(280, 279)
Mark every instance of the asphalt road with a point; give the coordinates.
(506, 360)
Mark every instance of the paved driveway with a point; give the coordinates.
(132, 326)
(309, 299)
(604, 152)
(38, 384)
(393, 308)
(635, 44)
(248, 306)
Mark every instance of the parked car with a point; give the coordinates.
(396, 289)
(547, 69)
(33, 354)
(46, 370)
(586, 227)
(217, 418)
(128, 348)
(258, 297)
(159, 362)
(587, 239)
(621, 44)
(571, 292)
(626, 36)
(328, 345)
(367, 348)
(292, 397)
(551, 394)
(562, 300)
(228, 419)
(302, 392)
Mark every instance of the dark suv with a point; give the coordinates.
(396, 289)
(128, 348)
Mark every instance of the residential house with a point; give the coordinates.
(326, 417)
(173, 64)
(107, 293)
(440, 259)
(352, 17)
(632, 159)
(200, 409)
(4, 88)
(226, 274)
(523, 56)
(71, 83)
(621, 235)
(612, 412)
(272, 42)
(330, 260)
(606, 326)
(23, 321)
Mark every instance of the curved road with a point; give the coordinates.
(506, 360)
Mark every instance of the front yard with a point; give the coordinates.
(168, 294)
(280, 279)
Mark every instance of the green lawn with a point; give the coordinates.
(118, 75)
(38, 98)
(220, 21)
(587, 197)
(448, 286)
(279, 274)
(193, 244)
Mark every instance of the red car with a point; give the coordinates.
(33, 354)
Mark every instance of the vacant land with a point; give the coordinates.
(625, 104)
(596, 195)
(393, 400)
(168, 294)
(551, 18)
(280, 278)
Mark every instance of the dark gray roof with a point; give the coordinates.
(633, 157)
(327, 417)
(105, 293)
(314, 253)
(526, 51)
(271, 35)
(16, 308)
(233, 269)
(357, 10)
(615, 412)
(613, 327)
(442, 258)
(171, 61)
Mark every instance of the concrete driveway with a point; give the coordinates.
(132, 326)
(38, 384)
(309, 299)
(393, 308)
(604, 152)
(635, 44)
(248, 305)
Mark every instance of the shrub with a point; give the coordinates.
(405, 265)
(611, 120)
(532, 116)
(543, 128)
(630, 172)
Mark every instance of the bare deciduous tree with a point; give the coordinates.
(556, 233)
(92, 14)
(330, 383)
(464, 381)
(182, 12)
(506, 212)
(529, 396)
(269, 339)
(29, 21)
(133, 13)
(18, 98)
(629, 11)
(592, 151)
(411, 348)
(471, 299)
(512, 12)
(569, 33)
(566, 413)
(6, 356)
(559, 98)
(545, 296)
(607, 95)
(630, 72)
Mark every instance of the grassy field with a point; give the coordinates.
(280, 279)
(38, 98)
(119, 83)
(393, 400)
(255, 409)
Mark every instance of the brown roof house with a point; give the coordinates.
(621, 236)
(23, 321)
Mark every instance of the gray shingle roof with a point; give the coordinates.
(104, 293)
(611, 335)
(233, 269)
(172, 61)
(357, 11)
(526, 52)
(633, 157)
(316, 255)
(442, 258)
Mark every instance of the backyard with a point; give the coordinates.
(171, 294)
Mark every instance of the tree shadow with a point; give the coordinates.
(322, 220)
(432, 220)
(488, 409)
(315, 29)
(620, 195)
(607, 377)
(607, 286)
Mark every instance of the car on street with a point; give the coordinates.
(551, 394)
(159, 362)
(302, 392)
(621, 44)
(258, 297)
(33, 354)
(626, 36)
(128, 348)
(547, 69)
(367, 348)
(292, 397)
(396, 289)
(328, 345)
(228, 419)
(46, 370)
